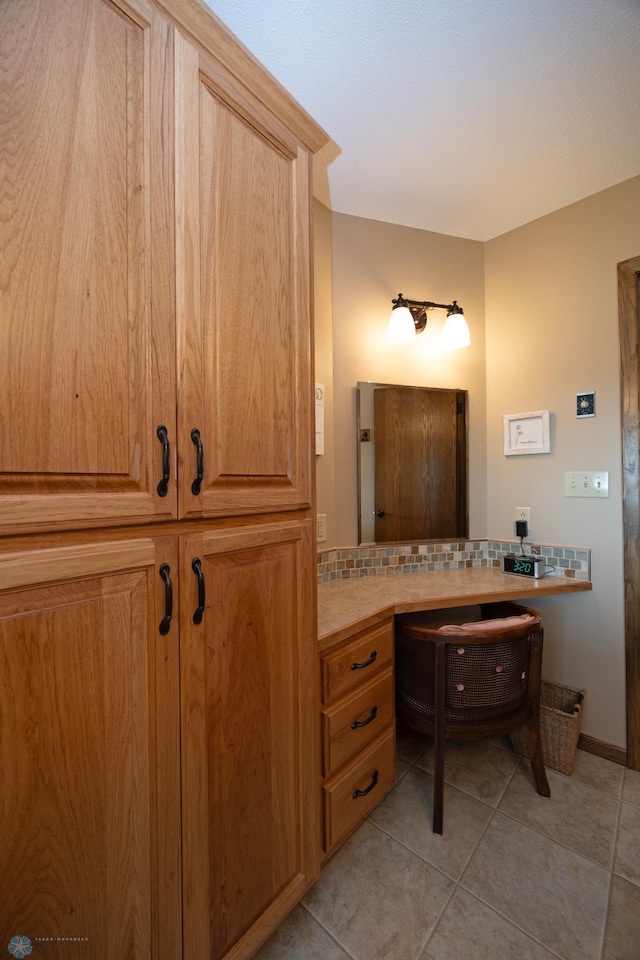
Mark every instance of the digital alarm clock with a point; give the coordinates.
(523, 566)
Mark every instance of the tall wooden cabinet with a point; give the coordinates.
(89, 732)
(250, 824)
(87, 338)
(158, 720)
(243, 297)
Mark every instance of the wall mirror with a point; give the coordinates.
(412, 463)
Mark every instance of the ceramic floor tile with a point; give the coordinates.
(401, 768)
(631, 787)
(575, 814)
(301, 936)
(479, 768)
(553, 894)
(410, 744)
(603, 775)
(627, 858)
(378, 900)
(532, 888)
(407, 815)
(502, 741)
(469, 930)
(622, 939)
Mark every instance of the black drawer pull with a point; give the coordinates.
(165, 623)
(197, 441)
(364, 723)
(196, 566)
(365, 663)
(163, 437)
(363, 793)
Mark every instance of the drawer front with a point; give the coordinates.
(351, 794)
(355, 720)
(344, 667)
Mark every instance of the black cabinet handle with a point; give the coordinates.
(163, 437)
(364, 723)
(365, 663)
(197, 441)
(363, 793)
(196, 566)
(165, 623)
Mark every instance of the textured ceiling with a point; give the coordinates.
(466, 117)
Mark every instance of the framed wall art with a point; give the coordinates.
(526, 433)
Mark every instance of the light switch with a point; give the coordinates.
(586, 483)
(319, 418)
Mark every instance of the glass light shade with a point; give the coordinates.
(455, 333)
(401, 327)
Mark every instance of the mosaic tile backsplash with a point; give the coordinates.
(344, 563)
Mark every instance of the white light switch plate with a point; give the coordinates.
(321, 527)
(586, 483)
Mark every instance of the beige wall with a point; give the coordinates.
(325, 464)
(549, 292)
(552, 331)
(371, 263)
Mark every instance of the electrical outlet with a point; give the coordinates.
(321, 527)
(523, 513)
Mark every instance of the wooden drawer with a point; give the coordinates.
(351, 663)
(349, 796)
(354, 721)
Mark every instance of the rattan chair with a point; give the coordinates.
(470, 681)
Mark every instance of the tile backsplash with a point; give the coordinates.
(344, 563)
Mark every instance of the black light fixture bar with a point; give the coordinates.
(418, 309)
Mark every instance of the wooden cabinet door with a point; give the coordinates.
(243, 298)
(87, 352)
(89, 809)
(250, 779)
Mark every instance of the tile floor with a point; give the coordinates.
(514, 875)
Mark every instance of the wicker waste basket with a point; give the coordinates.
(560, 716)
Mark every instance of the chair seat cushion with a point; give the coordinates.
(481, 626)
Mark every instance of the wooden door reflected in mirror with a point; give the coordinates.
(412, 463)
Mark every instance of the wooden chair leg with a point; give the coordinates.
(438, 782)
(534, 750)
(438, 732)
(532, 728)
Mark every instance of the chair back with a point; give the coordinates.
(490, 667)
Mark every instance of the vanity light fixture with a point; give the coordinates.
(409, 317)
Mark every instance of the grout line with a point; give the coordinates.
(509, 919)
(451, 880)
(413, 852)
(605, 925)
(628, 772)
(611, 872)
(425, 945)
(456, 885)
(551, 839)
(480, 839)
(328, 932)
(550, 950)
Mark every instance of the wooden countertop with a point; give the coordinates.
(345, 606)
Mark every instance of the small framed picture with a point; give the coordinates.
(586, 404)
(526, 433)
